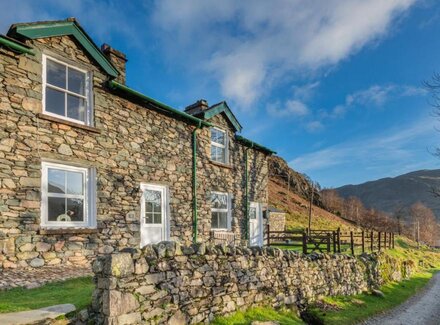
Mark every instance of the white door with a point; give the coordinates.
(255, 225)
(154, 214)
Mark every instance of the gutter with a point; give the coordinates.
(168, 109)
(14, 45)
(253, 145)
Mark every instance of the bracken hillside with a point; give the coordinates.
(294, 199)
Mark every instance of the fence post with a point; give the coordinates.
(304, 240)
(390, 240)
(363, 242)
(334, 242)
(378, 241)
(385, 240)
(372, 241)
(329, 238)
(339, 240)
(268, 235)
(351, 243)
(393, 240)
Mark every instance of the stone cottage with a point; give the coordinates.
(89, 166)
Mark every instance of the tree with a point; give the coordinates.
(425, 228)
(332, 201)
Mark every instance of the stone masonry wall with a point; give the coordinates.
(170, 284)
(277, 221)
(129, 143)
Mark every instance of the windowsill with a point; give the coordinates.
(219, 164)
(69, 123)
(63, 231)
(222, 230)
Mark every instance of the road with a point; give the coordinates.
(421, 309)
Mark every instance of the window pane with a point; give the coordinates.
(148, 217)
(77, 81)
(76, 108)
(158, 218)
(75, 183)
(75, 209)
(56, 181)
(57, 209)
(157, 207)
(223, 220)
(218, 136)
(148, 207)
(219, 201)
(56, 74)
(55, 102)
(214, 220)
(252, 213)
(153, 196)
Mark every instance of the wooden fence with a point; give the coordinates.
(329, 241)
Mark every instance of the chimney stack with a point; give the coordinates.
(118, 59)
(198, 107)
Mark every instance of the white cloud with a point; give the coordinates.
(291, 108)
(392, 146)
(249, 47)
(314, 126)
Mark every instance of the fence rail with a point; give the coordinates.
(328, 240)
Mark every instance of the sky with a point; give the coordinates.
(334, 86)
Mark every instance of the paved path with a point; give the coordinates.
(421, 309)
(33, 278)
(36, 315)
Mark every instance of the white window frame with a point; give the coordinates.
(219, 145)
(165, 207)
(228, 210)
(87, 97)
(89, 190)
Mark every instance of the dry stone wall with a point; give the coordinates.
(170, 284)
(129, 143)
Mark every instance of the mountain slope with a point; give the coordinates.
(294, 199)
(390, 194)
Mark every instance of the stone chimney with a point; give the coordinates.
(118, 59)
(197, 107)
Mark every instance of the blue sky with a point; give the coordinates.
(335, 86)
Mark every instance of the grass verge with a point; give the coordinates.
(283, 316)
(76, 291)
(346, 310)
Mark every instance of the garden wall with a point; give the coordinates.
(170, 284)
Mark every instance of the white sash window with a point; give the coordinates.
(67, 196)
(67, 91)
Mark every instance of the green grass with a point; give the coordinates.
(283, 316)
(76, 291)
(353, 309)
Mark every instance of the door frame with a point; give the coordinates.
(165, 210)
(258, 206)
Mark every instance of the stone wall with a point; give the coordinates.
(170, 284)
(277, 221)
(129, 143)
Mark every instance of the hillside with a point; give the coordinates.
(390, 194)
(297, 209)
(294, 199)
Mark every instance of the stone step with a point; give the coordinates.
(31, 316)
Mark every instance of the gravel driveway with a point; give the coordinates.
(421, 309)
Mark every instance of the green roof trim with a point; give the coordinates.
(253, 145)
(167, 109)
(222, 107)
(15, 45)
(61, 28)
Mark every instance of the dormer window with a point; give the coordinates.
(219, 146)
(67, 91)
